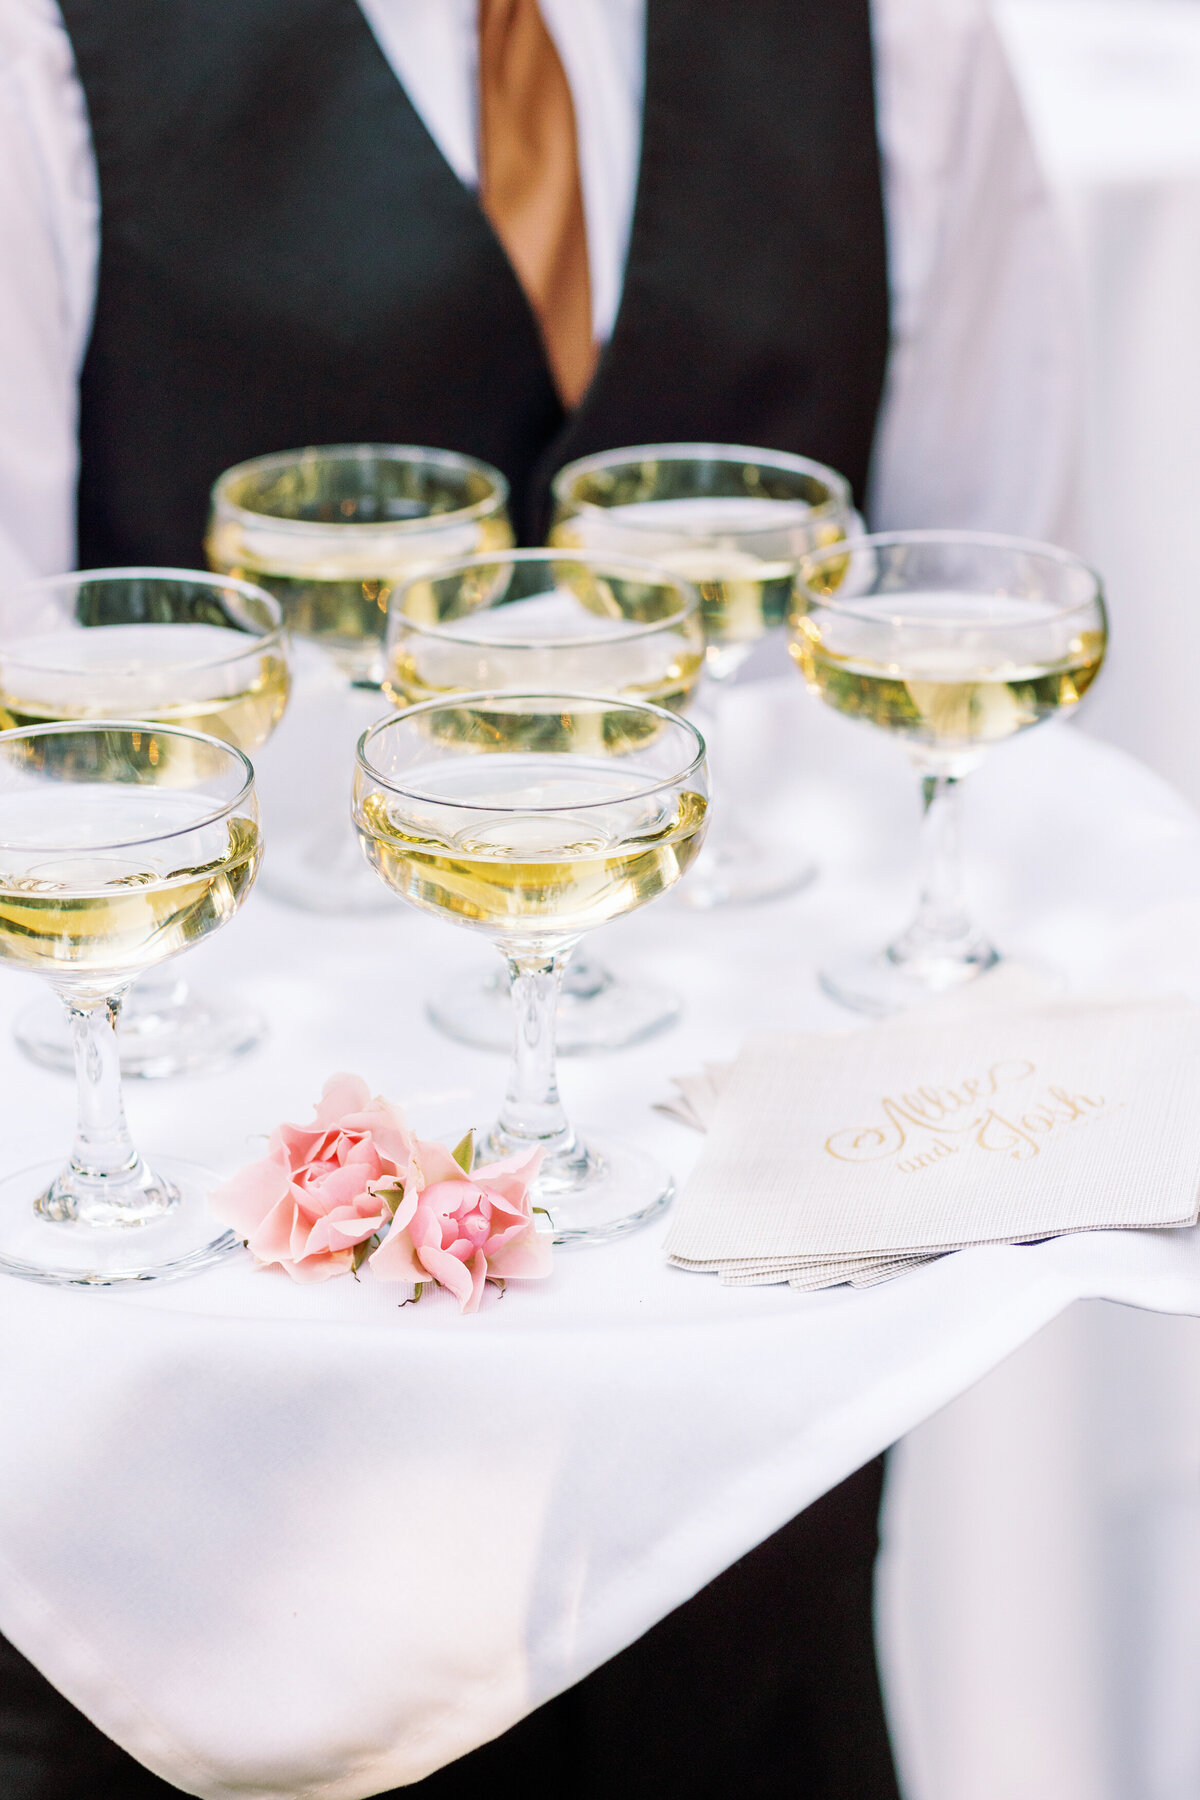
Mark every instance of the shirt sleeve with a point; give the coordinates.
(49, 239)
(978, 426)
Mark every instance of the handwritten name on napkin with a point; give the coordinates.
(926, 1137)
(921, 1128)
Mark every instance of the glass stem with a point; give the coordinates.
(942, 934)
(103, 1146)
(942, 911)
(532, 1112)
(106, 1183)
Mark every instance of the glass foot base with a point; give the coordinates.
(880, 985)
(63, 1253)
(601, 1190)
(599, 1012)
(740, 878)
(156, 1039)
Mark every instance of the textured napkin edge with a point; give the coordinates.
(1024, 994)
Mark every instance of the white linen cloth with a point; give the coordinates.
(978, 423)
(283, 1541)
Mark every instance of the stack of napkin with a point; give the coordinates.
(856, 1157)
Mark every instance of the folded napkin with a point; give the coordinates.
(855, 1157)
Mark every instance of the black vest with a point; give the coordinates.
(287, 258)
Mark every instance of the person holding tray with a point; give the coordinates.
(527, 234)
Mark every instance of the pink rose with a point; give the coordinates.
(308, 1204)
(462, 1230)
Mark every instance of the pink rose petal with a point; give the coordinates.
(479, 1275)
(448, 1272)
(307, 1203)
(310, 1203)
(241, 1201)
(321, 1268)
(396, 1259)
(526, 1258)
(341, 1094)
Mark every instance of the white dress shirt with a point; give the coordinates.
(977, 425)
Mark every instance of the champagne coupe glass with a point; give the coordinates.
(179, 648)
(733, 520)
(122, 843)
(531, 818)
(330, 532)
(952, 641)
(587, 621)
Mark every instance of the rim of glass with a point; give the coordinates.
(984, 540)
(266, 639)
(494, 502)
(456, 702)
(840, 495)
(60, 727)
(596, 559)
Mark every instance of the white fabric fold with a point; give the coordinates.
(304, 1542)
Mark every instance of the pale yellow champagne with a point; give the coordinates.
(739, 552)
(535, 644)
(602, 851)
(197, 677)
(337, 592)
(950, 697)
(103, 913)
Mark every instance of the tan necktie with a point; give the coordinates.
(529, 181)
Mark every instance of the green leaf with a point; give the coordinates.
(464, 1152)
(362, 1251)
(390, 1197)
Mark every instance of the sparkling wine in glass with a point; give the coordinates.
(122, 844)
(180, 648)
(330, 532)
(733, 521)
(587, 621)
(952, 642)
(530, 818)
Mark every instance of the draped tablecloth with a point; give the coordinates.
(297, 1541)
